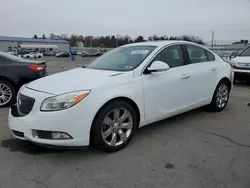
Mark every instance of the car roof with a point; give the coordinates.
(161, 43)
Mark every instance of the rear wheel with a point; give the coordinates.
(7, 94)
(220, 97)
(114, 126)
(28, 56)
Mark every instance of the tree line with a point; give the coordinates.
(115, 41)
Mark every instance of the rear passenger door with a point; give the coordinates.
(202, 73)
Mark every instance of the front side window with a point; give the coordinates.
(246, 52)
(172, 56)
(196, 54)
(124, 58)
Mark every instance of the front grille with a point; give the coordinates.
(17, 133)
(24, 104)
(44, 134)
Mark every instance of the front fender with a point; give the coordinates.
(132, 90)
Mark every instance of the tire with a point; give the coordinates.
(28, 57)
(6, 86)
(102, 134)
(220, 97)
(39, 56)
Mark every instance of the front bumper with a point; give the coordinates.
(75, 121)
(241, 73)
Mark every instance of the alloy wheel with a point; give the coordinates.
(222, 96)
(5, 94)
(117, 126)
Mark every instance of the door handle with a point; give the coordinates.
(213, 69)
(185, 77)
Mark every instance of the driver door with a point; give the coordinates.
(166, 93)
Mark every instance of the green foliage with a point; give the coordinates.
(116, 40)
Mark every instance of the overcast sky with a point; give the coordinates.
(230, 19)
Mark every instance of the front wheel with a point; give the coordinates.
(220, 97)
(114, 126)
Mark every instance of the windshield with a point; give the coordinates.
(246, 52)
(124, 58)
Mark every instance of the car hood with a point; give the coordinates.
(242, 59)
(79, 79)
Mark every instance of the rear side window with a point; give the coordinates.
(210, 56)
(3, 60)
(196, 54)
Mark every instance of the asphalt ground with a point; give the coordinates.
(197, 149)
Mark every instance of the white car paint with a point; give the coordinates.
(33, 55)
(158, 95)
(241, 63)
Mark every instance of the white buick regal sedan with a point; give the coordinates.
(103, 103)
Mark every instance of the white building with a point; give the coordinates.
(10, 43)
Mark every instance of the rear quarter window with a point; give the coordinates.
(3, 60)
(210, 56)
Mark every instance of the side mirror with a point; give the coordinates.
(233, 55)
(157, 66)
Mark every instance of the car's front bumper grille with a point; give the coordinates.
(24, 104)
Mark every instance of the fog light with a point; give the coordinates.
(58, 135)
(51, 135)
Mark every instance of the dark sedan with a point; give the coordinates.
(15, 72)
(63, 54)
(94, 54)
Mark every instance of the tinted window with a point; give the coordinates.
(10, 58)
(172, 56)
(3, 60)
(210, 56)
(246, 52)
(124, 58)
(196, 54)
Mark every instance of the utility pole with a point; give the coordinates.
(212, 39)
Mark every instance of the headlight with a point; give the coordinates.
(64, 101)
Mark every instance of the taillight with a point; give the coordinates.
(37, 68)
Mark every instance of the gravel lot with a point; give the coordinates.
(197, 149)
